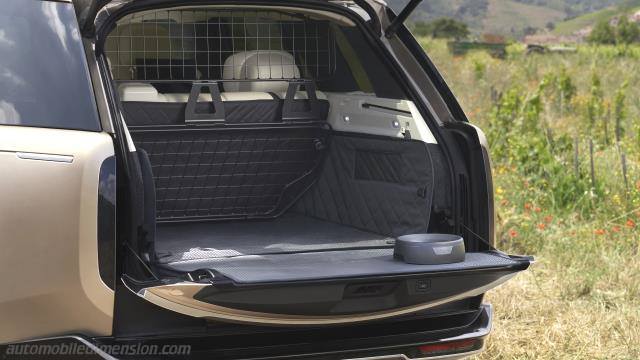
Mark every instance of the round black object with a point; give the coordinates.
(429, 249)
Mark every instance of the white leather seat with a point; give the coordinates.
(259, 64)
(263, 64)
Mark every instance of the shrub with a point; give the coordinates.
(603, 33)
(446, 28)
(627, 32)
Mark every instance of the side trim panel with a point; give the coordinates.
(51, 284)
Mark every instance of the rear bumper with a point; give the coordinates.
(404, 346)
(479, 330)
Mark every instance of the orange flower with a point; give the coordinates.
(513, 233)
(527, 206)
(616, 228)
(548, 219)
(630, 223)
(600, 231)
(537, 209)
(542, 226)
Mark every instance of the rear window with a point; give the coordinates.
(44, 79)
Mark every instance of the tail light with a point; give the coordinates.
(450, 347)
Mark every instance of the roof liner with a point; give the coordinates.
(92, 14)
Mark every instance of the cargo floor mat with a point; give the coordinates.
(290, 233)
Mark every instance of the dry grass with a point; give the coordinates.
(536, 320)
(581, 300)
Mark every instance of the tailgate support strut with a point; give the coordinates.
(404, 14)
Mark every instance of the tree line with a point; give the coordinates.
(608, 32)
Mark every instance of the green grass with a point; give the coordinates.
(581, 300)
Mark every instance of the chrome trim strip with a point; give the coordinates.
(45, 157)
(457, 356)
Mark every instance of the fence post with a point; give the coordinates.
(593, 169)
(606, 126)
(576, 156)
(623, 160)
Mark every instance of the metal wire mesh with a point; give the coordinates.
(194, 44)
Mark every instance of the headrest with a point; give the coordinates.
(260, 64)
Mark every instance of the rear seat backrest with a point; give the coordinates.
(260, 64)
(249, 102)
(141, 92)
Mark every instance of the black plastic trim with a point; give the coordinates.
(107, 221)
(190, 114)
(399, 292)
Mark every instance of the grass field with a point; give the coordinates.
(581, 300)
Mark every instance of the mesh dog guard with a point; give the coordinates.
(200, 44)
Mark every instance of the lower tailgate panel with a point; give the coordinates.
(326, 294)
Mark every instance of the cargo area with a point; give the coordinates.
(280, 157)
(271, 132)
(225, 194)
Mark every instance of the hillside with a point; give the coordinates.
(511, 18)
(587, 20)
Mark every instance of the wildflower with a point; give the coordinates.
(548, 219)
(499, 190)
(527, 206)
(542, 226)
(630, 223)
(537, 209)
(616, 229)
(600, 231)
(513, 233)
